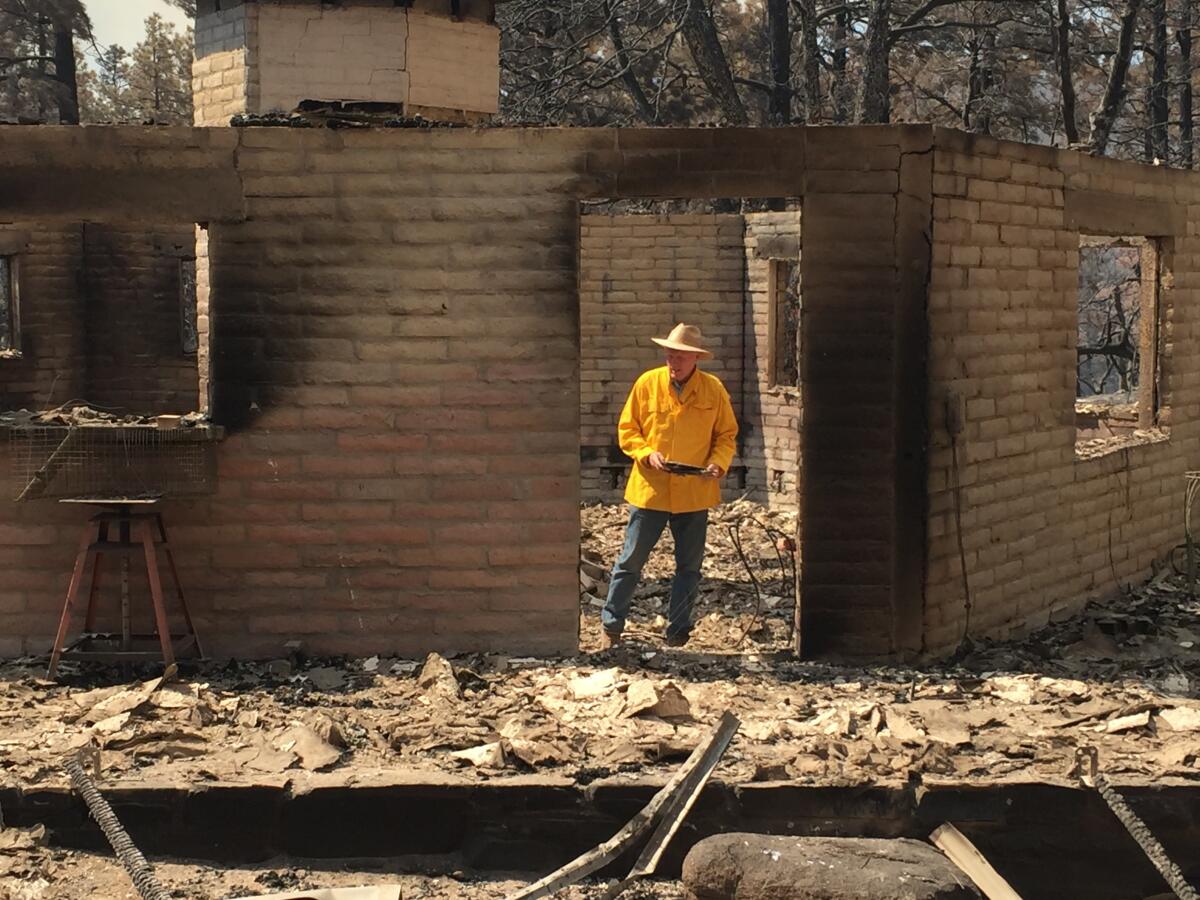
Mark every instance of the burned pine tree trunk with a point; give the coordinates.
(1183, 36)
(1106, 114)
(811, 48)
(64, 74)
(1158, 109)
(43, 54)
(976, 115)
(779, 33)
(1066, 80)
(700, 31)
(628, 77)
(840, 86)
(875, 105)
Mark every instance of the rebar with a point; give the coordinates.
(1135, 826)
(140, 871)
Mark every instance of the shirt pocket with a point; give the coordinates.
(662, 417)
(702, 414)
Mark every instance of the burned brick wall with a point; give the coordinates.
(867, 210)
(1047, 521)
(395, 327)
(394, 331)
(638, 276)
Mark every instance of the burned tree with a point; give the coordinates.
(1109, 323)
(37, 57)
(1105, 116)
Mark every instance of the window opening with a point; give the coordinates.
(784, 339)
(189, 337)
(1116, 341)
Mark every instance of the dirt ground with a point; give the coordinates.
(1124, 677)
(48, 874)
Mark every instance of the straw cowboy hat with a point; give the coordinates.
(686, 338)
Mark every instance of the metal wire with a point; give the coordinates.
(108, 462)
(131, 858)
(774, 535)
(736, 540)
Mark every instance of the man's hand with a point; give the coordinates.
(715, 471)
(657, 461)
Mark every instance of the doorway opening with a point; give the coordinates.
(731, 267)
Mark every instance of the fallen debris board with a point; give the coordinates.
(963, 854)
(637, 826)
(683, 801)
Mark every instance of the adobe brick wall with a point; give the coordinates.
(134, 354)
(395, 354)
(394, 326)
(51, 369)
(771, 448)
(267, 56)
(1044, 531)
(867, 206)
(639, 275)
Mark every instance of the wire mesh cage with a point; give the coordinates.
(110, 462)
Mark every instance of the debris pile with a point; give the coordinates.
(74, 415)
(491, 716)
(728, 605)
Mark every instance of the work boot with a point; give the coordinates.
(611, 639)
(677, 640)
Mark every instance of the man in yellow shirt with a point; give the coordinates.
(675, 415)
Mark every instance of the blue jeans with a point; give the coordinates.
(645, 527)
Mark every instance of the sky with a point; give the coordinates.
(121, 21)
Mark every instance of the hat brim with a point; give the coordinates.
(686, 348)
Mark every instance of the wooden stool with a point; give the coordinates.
(136, 532)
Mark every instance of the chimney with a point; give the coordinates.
(439, 59)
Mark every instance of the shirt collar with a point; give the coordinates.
(682, 390)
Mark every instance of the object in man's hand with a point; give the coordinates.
(678, 468)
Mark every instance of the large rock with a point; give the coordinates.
(764, 867)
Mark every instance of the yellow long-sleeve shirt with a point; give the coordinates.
(696, 427)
